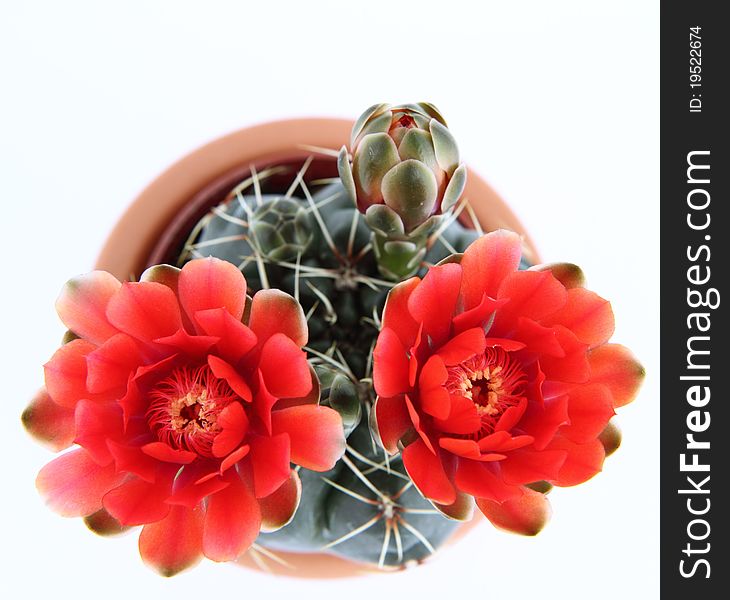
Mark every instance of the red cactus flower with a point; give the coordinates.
(489, 378)
(188, 404)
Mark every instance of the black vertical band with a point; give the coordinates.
(695, 361)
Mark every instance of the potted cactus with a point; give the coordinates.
(330, 357)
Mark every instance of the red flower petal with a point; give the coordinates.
(284, 368)
(413, 359)
(278, 508)
(616, 367)
(462, 509)
(427, 473)
(582, 462)
(479, 316)
(434, 300)
(390, 365)
(82, 305)
(131, 459)
(138, 502)
(416, 420)
(525, 466)
(211, 283)
(531, 294)
(574, 366)
(543, 421)
(274, 311)
(482, 481)
(535, 390)
(212, 475)
(222, 370)
(527, 514)
(73, 484)
(265, 401)
(436, 402)
(590, 408)
(96, 423)
(511, 416)
(311, 398)
(538, 339)
(169, 276)
(66, 373)
(232, 521)
(467, 449)
(587, 315)
(145, 310)
(103, 524)
(234, 425)
(486, 262)
(164, 274)
(175, 543)
(568, 274)
(191, 493)
(316, 435)
(270, 462)
(462, 347)
(460, 447)
(164, 453)
(610, 438)
(150, 374)
(132, 403)
(463, 417)
(49, 422)
(234, 338)
(504, 343)
(396, 315)
(433, 397)
(392, 421)
(234, 457)
(192, 345)
(502, 441)
(110, 365)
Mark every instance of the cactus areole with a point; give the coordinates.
(328, 358)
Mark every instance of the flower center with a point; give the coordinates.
(185, 406)
(493, 381)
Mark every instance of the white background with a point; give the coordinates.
(555, 103)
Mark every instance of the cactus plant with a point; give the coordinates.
(392, 370)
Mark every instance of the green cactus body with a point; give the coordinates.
(317, 246)
(281, 229)
(364, 509)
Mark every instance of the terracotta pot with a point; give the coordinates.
(155, 227)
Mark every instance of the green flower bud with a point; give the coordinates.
(403, 158)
